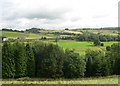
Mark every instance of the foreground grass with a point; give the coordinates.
(100, 80)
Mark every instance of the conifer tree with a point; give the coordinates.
(89, 67)
(30, 61)
(20, 59)
(8, 63)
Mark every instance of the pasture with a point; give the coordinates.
(81, 47)
(15, 35)
(60, 31)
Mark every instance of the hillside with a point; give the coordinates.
(15, 35)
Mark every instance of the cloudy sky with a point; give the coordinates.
(58, 14)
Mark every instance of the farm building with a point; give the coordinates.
(21, 37)
(5, 39)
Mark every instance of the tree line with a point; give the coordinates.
(5, 29)
(44, 60)
(106, 28)
(87, 36)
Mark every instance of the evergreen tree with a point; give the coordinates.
(105, 65)
(115, 58)
(30, 61)
(97, 63)
(52, 63)
(38, 50)
(89, 67)
(8, 63)
(20, 59)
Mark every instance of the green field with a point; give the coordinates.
(15, 35)
(81, 47)
(100, 80)
(59, 36)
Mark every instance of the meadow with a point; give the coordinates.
(15, 35)
(81, 47)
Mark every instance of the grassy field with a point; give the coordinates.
(9, 34)
(15, 35)
(100, 80)
(60, 31)
(81, 47)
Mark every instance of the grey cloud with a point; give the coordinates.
(41, 13)
(45, 14)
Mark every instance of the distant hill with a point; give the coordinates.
(106, 28)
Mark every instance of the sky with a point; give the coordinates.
(58, 14)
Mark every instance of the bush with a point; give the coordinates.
(102, 44)
(108, 48)
(96, 42)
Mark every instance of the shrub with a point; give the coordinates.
(102, 44)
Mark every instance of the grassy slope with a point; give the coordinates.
(27, 35)
(30, 35)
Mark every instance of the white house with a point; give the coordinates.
(5, 39)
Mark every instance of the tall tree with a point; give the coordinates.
(89, 67)
(20, 59)
(30, 61)
(8, 63)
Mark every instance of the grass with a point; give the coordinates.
(60, 31)
(99, 80)
(81, 47)
(15, 35)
